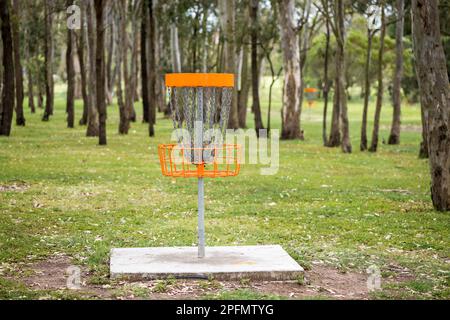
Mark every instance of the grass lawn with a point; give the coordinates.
(62, 195)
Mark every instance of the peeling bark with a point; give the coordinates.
(291, 110)
(435, 96)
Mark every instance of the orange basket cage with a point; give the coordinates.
(177, 161)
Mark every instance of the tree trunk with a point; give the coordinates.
(303, 43)
(227, 8)
(151, 76)
(205, 37)
(70, 98)
(30, 81)
(379, 104)
(159, 52)
(83, 69)
(175, 49)
(100, 71)
(144, 67)
(255, 85)
(30, 91)
(129, 75)
(92, 129)
(326, 87)
(423, 148)
(341, 96)
(291, 110)
(124, 124)
(40, 95)
(435, 96)
(245, 88)
(108, 67)
(7, 103)
(48, 60)
(335, 134)
(20, 119)
(394, 137)
(363, 144)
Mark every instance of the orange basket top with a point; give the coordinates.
(199, 80)
(311, 90)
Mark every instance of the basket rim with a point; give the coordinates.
(199, 80)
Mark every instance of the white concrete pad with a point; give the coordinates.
(223, 263)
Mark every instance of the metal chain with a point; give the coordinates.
(184, 111)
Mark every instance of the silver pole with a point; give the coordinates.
(201, 219)
(201, 188)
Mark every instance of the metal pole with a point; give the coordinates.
(201, 219)
(201, 189)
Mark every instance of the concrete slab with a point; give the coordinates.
(223, 263)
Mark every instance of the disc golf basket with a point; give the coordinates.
(200, 104)
(311, 96)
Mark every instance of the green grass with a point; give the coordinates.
(347, 210)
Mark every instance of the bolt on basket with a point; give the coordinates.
(200, 105)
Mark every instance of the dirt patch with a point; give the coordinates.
(15, 186)
(323, 281)
(59, 273)
(320, 281)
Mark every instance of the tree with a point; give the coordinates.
(144, 67)
(48, 60)
(435, 96)
(254, 58)
(20, 119)
(81, 43)
(326, 84)
(7, 103)
(70, 98)
(291, 110)
(152, 68)
(394, 137)
(100, 71)
(379, 103)
(227, 19)
(92, 129)
(175, 48)
(245, 74)
(117, 6)
(340, 125)
(371, 31)
(124, 123)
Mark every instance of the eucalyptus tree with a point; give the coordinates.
(434, 89)
(100, 70)
(18, 75)
(256, 107)
(379, 102)
(92, 129)
(291, 110)
(227, 10)
(7, 101)
(394, 137)
(48, 59)
(70, 69)
(152, 68)
(339, 125)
